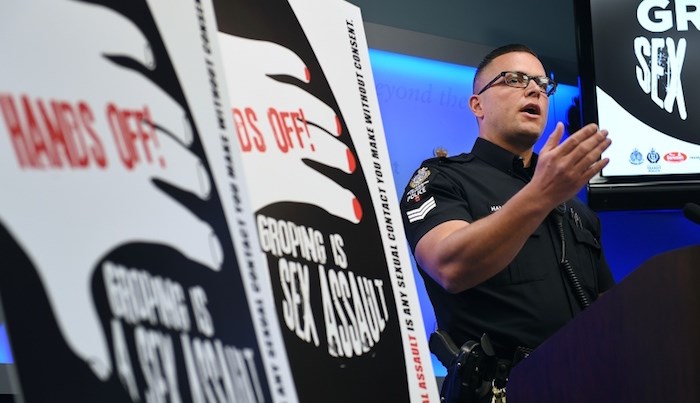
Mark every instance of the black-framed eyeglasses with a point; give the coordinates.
(519, 79)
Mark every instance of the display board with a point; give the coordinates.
(311, 139)
(127, 267)
(639, 64)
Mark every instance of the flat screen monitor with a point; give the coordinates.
(639, 65)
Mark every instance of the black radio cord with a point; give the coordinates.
(566, 265)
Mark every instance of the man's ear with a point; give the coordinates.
(475, 106)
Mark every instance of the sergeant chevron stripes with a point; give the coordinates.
(422, 211)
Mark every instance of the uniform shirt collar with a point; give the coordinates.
(503, 159)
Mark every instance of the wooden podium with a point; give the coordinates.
(640, 342)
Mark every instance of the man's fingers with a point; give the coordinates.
(590, 150)
(596, 167)
(573, 142)
(554, 138)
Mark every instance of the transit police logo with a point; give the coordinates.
(417, 184)
(636, 157)
(653, 156)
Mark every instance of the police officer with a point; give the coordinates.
(499, 238)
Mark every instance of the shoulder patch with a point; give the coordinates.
(420, 177)
(417, 185)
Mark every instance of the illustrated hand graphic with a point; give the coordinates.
(284, 138)
(85, 158)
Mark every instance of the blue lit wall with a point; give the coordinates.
(424, 105)
(5, 354)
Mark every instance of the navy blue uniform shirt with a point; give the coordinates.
(529, 299)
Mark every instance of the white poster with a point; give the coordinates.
(309, 132)
(126, 239)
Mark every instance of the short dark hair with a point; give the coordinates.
(500, 51)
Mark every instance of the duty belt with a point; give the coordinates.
(473, 370)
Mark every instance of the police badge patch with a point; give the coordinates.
(420, 176)
(417, 184)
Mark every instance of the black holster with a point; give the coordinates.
(471, 369)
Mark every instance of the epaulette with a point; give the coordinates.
(464, 157)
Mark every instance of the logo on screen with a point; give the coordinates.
(636, 157)
(675, 156)
(653, 156)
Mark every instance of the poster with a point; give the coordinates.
(124, 229)
(648, 97)
(310, 136)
